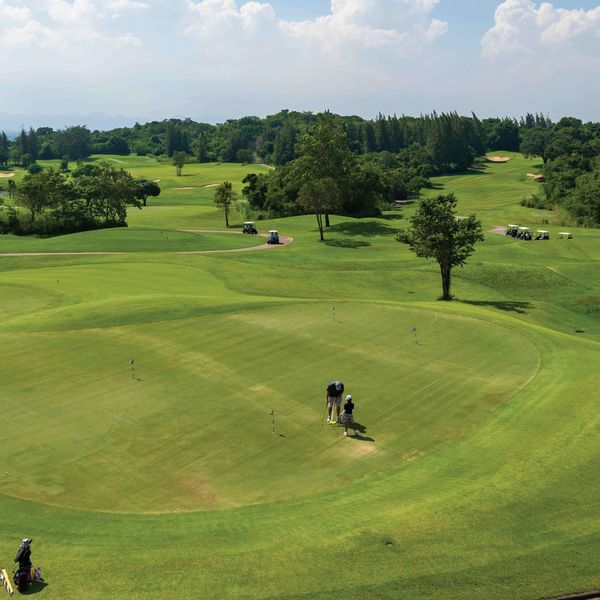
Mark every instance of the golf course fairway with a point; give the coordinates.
(475, 473)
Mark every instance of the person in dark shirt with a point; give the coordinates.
(347, 417)
(333, 398)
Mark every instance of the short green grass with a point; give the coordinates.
(475, 474)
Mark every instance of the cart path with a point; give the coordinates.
(283, 241)
(499, 230)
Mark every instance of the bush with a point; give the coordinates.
(536, 202)
(34, 168)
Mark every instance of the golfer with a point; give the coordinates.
(333, 397)
(347, 417)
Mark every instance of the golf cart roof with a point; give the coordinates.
(542, 231)
(513, 226)
(272, 230)
(248, 222)
(524, 229)
(565, 233)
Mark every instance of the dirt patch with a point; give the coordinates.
(7, 174)
(196, 492)
(498, 159)
(498, 230)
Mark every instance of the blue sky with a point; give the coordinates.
(218, 59)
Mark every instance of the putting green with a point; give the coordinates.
(191, 430)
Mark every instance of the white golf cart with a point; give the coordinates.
(542, 234)
(249, 228)
(524, 233)
(565, 234)
(273, 237)
(512, 230)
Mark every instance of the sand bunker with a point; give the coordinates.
(7, 174)
(156, 180)
(211, 185)
(536, 176)
(497, 159)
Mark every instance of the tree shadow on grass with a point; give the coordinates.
(364, 228)
(521, 308)
(393, 217)
(346, 244)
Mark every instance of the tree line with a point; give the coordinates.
(392, 156)
(95, 196)
(570, 153)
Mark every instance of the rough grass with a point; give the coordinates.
(475, 475)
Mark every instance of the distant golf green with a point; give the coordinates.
(474, 476)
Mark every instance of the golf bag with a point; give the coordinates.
(25, 573)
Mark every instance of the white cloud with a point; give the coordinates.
(524, 28)
(79, 11)
(31, 33)
(371, 23)
(14, 13)
(62, 24)
(359, 23)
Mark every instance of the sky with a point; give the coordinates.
(217, 59)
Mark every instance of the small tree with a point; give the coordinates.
(437, 232)
(320, 196)
(146, 189)
(225, 198)
(179, 159)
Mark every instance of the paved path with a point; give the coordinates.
(284, 241)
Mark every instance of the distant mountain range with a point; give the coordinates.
(12, 124)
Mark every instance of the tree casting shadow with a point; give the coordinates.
(522, 308)
(364, 228)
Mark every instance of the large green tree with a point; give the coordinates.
(324, 155)
(43, 190)
(319, 196)
(437, 232)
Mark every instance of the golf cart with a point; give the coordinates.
(565, 234)
(542, 234)
(512, 230)
(524, 233)
(249, 228)
(273, 237)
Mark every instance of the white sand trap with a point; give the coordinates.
(185, 188)
(7, 174)
(156, 180)
(536, 176)
(211, 185)
(497, 159)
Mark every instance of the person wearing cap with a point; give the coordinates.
(347, 417)
(333, 397)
